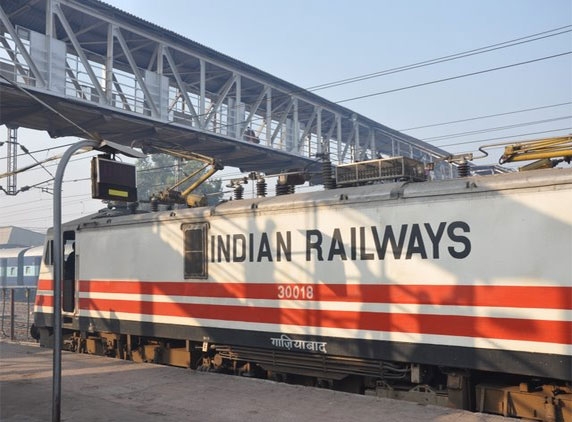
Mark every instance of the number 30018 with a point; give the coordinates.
(295, 291)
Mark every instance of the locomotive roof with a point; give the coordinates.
(11, 252)
(341, 196)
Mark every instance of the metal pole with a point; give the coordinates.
(58, 265)
(28, 314)
(12, 315)
(12, 145)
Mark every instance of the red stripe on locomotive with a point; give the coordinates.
(553, 297)
(452, 325)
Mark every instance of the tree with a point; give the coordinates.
(158, 172)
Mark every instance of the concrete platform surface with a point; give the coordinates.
(104, 389)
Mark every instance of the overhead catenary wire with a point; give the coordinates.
(71, 199)
(470, 119)
(26, 151)
(463, 54)
(509, 43)
(494, 129)
(485, 130)
(451, 78)
(508, 137)
(40, 150)
(418, 85)
(36, 164)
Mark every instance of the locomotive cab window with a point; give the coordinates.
(195, 249)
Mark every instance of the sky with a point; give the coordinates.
(314, 42)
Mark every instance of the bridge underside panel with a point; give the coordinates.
(20, 110)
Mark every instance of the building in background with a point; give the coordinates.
(14, 237)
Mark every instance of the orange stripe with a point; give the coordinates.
(453, 325)
(42, 300)
(468, 326)
(455, 295)
(45, 284)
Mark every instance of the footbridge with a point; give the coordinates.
(74, 66)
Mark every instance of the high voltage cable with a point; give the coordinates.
(261, 118)
(463, 54)
(465, 75)
(421, 64)
(36, 201)
(67, 200)
(486, 116)
(508, 136)
(34, 166)
(40, 150)
(494, 129)
(234, 175)
(26, 151)
(49, 107)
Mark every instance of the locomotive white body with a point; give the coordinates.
(472, 273)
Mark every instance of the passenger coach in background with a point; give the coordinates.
(19, 270)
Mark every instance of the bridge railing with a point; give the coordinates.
(112, 62)
(13, 66)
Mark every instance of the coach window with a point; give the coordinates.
(195, 250)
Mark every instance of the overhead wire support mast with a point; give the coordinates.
(12, 144)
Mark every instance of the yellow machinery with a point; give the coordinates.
(171, 195)
(541, 150)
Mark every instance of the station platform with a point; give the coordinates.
(103, 389)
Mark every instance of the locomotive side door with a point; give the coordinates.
(69, 272)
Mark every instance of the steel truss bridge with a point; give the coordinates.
(68, 65)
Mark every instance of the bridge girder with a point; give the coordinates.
(132, 82)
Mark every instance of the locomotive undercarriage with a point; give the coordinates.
(513, 396)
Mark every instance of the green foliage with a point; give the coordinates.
(158, 172)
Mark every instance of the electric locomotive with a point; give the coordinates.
(456, 291)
